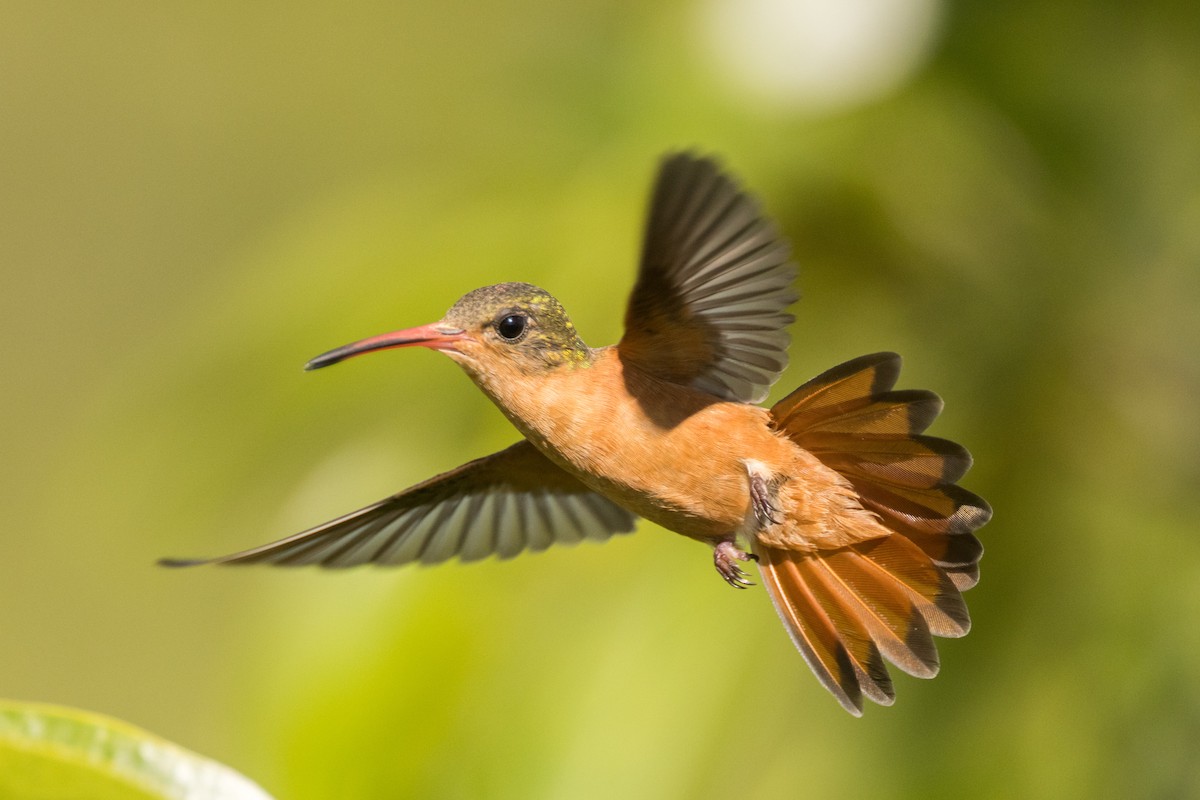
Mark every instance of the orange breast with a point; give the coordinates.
(668, 453)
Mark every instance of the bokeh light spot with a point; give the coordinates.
(818, 55)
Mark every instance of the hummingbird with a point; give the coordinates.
(861, 535)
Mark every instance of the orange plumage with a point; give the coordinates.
(863, 538)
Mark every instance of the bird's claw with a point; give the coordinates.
(725, 557)
(761, 500)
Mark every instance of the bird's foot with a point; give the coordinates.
(764, 492)
(725, 557)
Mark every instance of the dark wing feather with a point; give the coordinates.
(709, 307)
(502, 504)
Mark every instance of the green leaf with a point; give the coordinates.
(51, 752)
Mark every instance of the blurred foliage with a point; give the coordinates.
(197, 199)
(49, 752)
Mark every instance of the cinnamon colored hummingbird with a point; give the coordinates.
(861, 535)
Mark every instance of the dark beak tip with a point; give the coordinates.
(323, 360)
(423, 336)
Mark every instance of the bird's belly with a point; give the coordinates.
(667, 453)
(690, 478)
(702, 509)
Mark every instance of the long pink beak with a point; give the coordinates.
(436, 337)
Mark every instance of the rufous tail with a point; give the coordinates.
(850, 608)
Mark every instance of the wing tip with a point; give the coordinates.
(717, 256)
(180, 563)
(688, 155)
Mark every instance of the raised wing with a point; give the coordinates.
(502, 504)
(709, 307)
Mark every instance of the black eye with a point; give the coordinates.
(511, 327)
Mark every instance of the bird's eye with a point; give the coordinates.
(511, 327)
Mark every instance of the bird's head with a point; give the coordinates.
(502, 329)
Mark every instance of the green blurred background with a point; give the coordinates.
(196, 199)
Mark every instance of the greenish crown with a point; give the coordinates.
(549, 336)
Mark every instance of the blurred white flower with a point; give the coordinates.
(818, 55)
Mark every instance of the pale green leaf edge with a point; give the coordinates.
(119, 750)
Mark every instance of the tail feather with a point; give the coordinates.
(888, 595)
(904, 413)
(865, 376)
(894, 620)
(919, 462)
(929, 588)
(844, 615)
(842, 658)
(847, 610)
(964, 577)
(947, 510)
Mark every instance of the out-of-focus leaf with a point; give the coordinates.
(52, 752)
